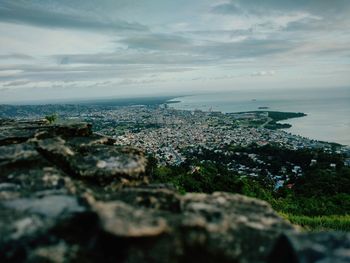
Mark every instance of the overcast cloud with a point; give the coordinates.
(72, 49)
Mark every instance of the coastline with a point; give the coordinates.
(275, 116)
(324, 126)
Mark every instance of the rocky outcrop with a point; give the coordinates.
(68, 195)
(311, 247)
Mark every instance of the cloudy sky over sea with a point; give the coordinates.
(59, 49)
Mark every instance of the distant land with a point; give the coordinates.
(147, 101)
(131, 101)
(67, 108)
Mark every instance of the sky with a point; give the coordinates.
(73, 49)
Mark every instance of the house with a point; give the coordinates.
(290, 186)
(279, 184)
(296, 169)
(347, 162)
(313, 162)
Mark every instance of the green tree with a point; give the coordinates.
(51, 118)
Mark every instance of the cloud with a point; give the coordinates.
(135, 58)
(16, 83)
(257, 7)
(316, 25)
(248, 48)
(18, 56)
(175, 50)
(227, 8)
(95, 73)
(157, 42)
(40, 14)
(263, 73)
(63, 60)
(7, 72)
(4, 89)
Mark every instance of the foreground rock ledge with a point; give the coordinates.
(68, 195)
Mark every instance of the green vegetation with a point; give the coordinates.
(320, 223)
(319, 199)
(51, 118)
(275, 125)
(271, 120)
(207, 179)
(280, 116)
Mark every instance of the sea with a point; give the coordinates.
(328, 110)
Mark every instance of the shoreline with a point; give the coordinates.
(286, 127)
(274, 120)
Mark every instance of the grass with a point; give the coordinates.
(320, 223)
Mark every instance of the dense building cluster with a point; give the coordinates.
(171, 131)
(172, 135)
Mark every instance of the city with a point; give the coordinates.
(172, 136)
